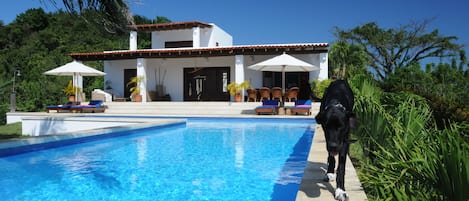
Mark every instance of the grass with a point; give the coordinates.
(8, 131)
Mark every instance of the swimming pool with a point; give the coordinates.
(205, 159)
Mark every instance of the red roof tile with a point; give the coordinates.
(301, 48)
(169, 26)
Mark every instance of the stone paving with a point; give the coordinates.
(313, 187)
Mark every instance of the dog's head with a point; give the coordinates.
(336, 122)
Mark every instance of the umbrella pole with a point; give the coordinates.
(283, 86)
(283, 80)
(76, 88)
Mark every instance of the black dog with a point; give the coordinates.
(337, 119)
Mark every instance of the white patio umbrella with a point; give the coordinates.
(284, 63)
(75, 69)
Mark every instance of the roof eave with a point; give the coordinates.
(203, 52)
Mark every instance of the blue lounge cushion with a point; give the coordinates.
(67, 105)
(96, 103)
(266, 106)
(303, 102)
(271, 102)
(301, 106)
(91, 104)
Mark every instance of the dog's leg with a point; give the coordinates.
(341, 172)
(340, 193)
(330, 174)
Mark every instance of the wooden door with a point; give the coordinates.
(128, 74)
(206, 84)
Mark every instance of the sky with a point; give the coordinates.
(253, 22)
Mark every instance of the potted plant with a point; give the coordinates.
(235, 89)
(70, 91)
(135, 83)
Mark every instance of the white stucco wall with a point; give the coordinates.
(324, 65)
(115, 74)
(220, 36)
(133, 40)
(202, 37)
(38, 126)
(159, 38)
(170, 71)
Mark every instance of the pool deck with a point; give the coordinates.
(312, 187)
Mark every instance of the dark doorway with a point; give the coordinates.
(206, 84)
(292, 79)
(128, 74)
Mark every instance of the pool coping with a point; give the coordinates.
(33, 143)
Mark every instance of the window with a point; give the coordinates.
(177, 44)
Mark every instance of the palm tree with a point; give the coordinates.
(115, 14)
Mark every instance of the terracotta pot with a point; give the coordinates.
(137, 98)
(71, 98)
(238, 97)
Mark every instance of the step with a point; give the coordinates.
(187, 108)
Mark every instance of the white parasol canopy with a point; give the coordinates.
(77, 70)
(284, 63)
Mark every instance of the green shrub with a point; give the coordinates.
(452, 169)
(405, 155)
(402, 167)
(319, 87)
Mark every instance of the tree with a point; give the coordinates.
(115, 15)
(394, 48)
(161, 19)
(33, 48)
(346, 60)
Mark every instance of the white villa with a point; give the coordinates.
(194, 61)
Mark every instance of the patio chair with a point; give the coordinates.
(292, 94)
(60, 108)
(301, 106)
(264, 93)
(252, 95)
(277, 93)
(93, 106)
(268, 107)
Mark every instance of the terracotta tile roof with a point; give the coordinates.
(169, 26)
(300, 48)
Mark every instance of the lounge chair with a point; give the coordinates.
(268, 107)
(264, 93)
(93, 106)
(301, 106)
(292, 94)
(252, 95)
(60, 108)
(277, 93)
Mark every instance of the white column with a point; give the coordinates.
(78, 82)
(196, 36)
(323, 65)
(133, 40)
(156, 40)
(141, 71)
(239, 70)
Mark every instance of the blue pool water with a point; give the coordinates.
(206, 159)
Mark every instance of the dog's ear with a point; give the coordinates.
(352, 121)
